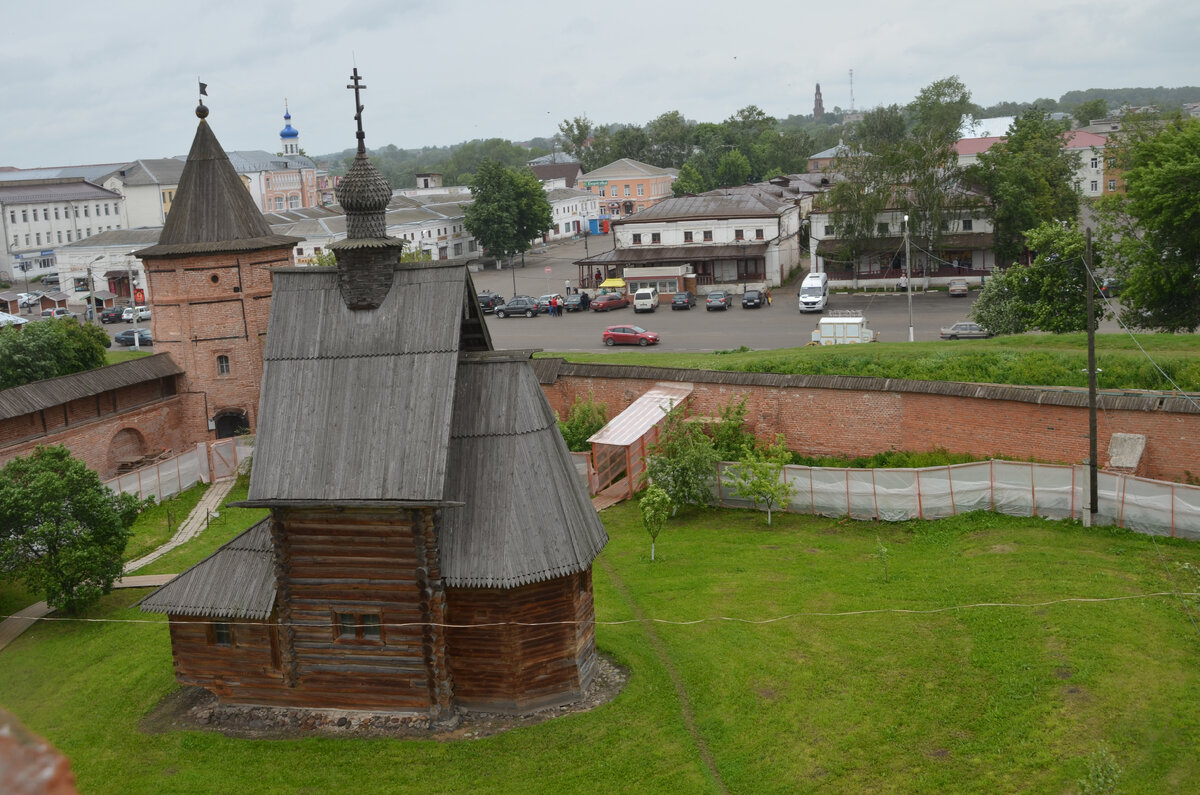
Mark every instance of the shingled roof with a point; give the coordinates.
(237, 581)
(212, 211)
(511, 529)
(39, 395)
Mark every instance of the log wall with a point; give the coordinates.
(513, 668)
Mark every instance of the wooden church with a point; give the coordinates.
(429, 543)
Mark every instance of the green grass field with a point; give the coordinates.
(821, 684)
(1026, 359)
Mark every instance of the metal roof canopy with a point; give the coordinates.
(642, 415)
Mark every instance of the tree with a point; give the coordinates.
(733, 169)
(62, 531)
(926, 162)
(881, 128)
(690, 180)
(730, 437)
(510, 209)
(1030, 179)
(1151, 235)
(854, 202)
(584, 419)
(683, 461)
(655, 506)
(1088, 111)
(758, 476)
(1048, 294)
(630, 141)
(670, 140)
(48, 349)
(575, 134)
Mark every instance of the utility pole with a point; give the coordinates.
(1093, 477)
(908, 277)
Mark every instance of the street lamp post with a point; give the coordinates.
(908, 277)
(91, 288)
(133, 304)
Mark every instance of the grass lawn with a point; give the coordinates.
(1024, 359)
(974, 699)
(155, 526)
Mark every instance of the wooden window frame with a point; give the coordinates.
(214, 635)
(357, 627)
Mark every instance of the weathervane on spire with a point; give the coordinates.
(201, 110)
(358, 109)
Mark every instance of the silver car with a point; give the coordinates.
(965, 330)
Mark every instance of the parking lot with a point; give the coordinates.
(781, 325)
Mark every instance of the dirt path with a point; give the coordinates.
(660, 649)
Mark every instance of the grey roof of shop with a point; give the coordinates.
(237, 581)
(730, 205)
(93, 171)
(20, 400)
(142, 236)
(646, 254)
(155, 171)
(69, 190)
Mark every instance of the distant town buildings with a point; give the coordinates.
(627, 186)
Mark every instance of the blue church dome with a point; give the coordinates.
(288, 130)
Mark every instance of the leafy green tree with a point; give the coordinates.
(1048, 295)
(656, 507)
(758, 476)
(786, 152)
(730, 437)
(733, 169)
(670, 140)
(585, 417)
(62, 531)
(1030, 179)
(630, 141)
(690, 180)
(510, 209)
(1151, 235)
(575, 134)
(881, 128)
(1090, 110)
(855, 201)
(926, 163)
(682, 461)
(48, 349)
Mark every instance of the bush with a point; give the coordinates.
(583, 420)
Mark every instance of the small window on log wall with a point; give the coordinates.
(220, 634)
(359, 627)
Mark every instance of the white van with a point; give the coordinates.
(645, 300)
(814, 292)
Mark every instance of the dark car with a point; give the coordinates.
(629, 335)
(716, 300)
(683, 300)
(607, 301)
(753, 299)
(111, 315)
(126, 337)
(573, 302)
(488, 301)
(965, 330)
(520, 305)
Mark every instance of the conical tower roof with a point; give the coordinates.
(212, 211)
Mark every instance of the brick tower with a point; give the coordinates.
(211, 281)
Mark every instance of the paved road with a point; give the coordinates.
(781, 325)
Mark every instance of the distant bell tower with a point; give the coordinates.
(289, 136)
(818, 105)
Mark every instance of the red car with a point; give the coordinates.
(629, 335)
(607, 301)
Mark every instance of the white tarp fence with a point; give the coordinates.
(166, 478)
(1016, 488)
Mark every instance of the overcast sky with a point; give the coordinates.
(116, 81)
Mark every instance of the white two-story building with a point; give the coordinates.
(736, 241)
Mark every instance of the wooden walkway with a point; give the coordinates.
(615, 493)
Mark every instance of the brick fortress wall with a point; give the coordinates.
(826, 415)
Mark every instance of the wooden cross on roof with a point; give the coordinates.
(356, 84)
